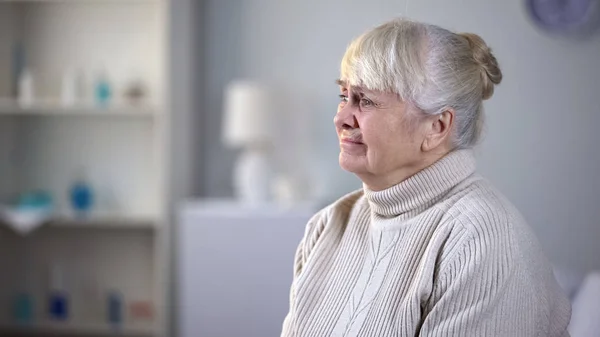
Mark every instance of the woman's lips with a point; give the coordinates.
(352, 141)
(352, 146)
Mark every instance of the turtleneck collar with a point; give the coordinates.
(423, 189)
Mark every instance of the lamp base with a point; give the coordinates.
(252, 177)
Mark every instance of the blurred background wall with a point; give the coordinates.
(540, 147)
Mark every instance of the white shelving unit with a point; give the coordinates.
(125, 148)
(11, 108)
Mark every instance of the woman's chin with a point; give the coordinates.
(352, 163)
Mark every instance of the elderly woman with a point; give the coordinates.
(427, 247)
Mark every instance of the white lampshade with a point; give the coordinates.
(247, 120)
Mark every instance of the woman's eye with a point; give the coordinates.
(343, 98)
(365, 102)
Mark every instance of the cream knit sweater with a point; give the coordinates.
(440, 254)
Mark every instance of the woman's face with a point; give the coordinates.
(380, 138)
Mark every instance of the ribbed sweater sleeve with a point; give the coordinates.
(475, 294)
(312, 232)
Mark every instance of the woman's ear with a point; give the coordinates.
(438, 130)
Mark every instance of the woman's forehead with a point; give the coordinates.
(345, 84)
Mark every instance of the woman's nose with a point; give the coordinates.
(345, 118)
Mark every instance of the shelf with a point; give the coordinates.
(103, 221)
(94, 221)
(69, 329)
(9, 107)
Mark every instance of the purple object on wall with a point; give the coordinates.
(564, 16)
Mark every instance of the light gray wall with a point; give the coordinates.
(541, 143)
(185, 62)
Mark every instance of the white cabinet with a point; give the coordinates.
(235, 267)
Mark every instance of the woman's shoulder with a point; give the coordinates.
(488, 221)
(341, 206)
(478, 205)
(335, 213)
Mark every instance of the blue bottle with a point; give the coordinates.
(58, 306)
(82, 196)
(58, 299)
(23, 308)
(102, 91)
(115, 309)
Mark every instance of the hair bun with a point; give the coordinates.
(482, 54)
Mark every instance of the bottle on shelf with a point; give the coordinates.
(141, 310)
(114, 308)
(23, 306)
(135, 89)
(102, 90)
(26, 91)
(18, 64)
(58, 298)
(81, 194)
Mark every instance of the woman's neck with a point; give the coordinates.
(424, 187)
(380, 182)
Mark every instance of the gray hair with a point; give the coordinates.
(430, 68)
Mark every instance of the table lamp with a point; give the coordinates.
(247, 125)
